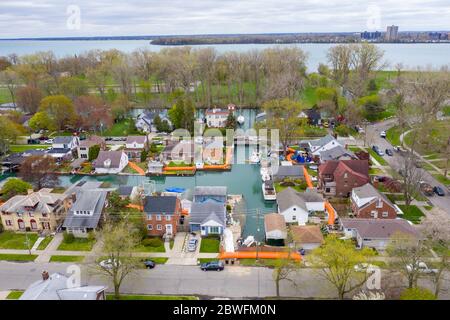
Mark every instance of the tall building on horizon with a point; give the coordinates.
(391, 33)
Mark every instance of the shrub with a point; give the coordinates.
(144, 155)
(417, 294)
(91, 236)
(343, 130)
(68, 237)
(152, 242)
(93, 152)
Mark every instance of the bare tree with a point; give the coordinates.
(436, 229)
(406, 253)
(119, 241)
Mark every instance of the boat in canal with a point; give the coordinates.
(268, 190)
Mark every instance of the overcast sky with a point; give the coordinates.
(45, 18)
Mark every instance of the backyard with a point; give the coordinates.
(209, 245)
(412, 213)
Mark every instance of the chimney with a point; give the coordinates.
(45, 275)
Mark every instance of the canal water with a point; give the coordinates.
(244, 179)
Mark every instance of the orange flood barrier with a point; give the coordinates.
(307, 178)
(331, 213)
(179, 168)
(136, 168)
(259, 255)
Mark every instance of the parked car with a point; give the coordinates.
(426, 188)
(439, 191)
(421, 267)
(192, 245)
(149, 264)
(363, 267)
(109, 264)
(212, 265)
(383, 134)
(389, 152)
(378, 151)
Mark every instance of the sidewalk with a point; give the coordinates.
(45, 255)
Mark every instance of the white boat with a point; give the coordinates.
(254, 158)
(265, 177)
(249, 241)
(268, 190)
(241, 120)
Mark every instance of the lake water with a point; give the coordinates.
(411, 55)
(243, 179)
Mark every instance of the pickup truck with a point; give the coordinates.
(421, 267)
(426, 188)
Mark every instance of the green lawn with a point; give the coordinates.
(66, 258)
(446, 111)
(122, 128)
(5, 96)
(18, 257)
(77, 245)
(279, 188)
(44, 243)
(395, 197)
(14, 295)
(148, 297)
(411, 213)
(209, 245)
(12, 240)
(142, 248)
(393, 135)
(379, 159)
(442, 179)
(24, 147)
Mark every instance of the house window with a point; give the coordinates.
(31, 214)
(345, 175)
(158, 217)
(33, 224)
(214, 229)
(379, 203)
(84, 156)
(149, 227)
(167, 218)
(385, 214)
(149, 216)
(44, 215)
(21, 224)
(294, 218)
(327, 190)
(159, 227)
(373, 213)
(8, 223)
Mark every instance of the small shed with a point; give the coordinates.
(275, 227)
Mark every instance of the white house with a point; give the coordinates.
(377, 233)
(110, 162)
(319, 145)
(275, 227)
(296, 206)
(208, 217)
(66, 142)
(292, 207)
(216, 118)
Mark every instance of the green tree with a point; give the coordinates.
(417, 294)
(176, 114)
(60, 110)
(41, 120)
(8, 134)
(117, 205)
(13, 187)
(335, 261)
(372, 105)
(74, 87)
(282, 115)
(231, 122)
(93, 152)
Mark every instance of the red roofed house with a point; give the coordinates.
(339, 177)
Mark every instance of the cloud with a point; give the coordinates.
(43, 18)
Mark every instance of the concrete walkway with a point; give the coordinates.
(52, 246)
(4, 294)
(37, 243)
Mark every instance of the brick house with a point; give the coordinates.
(38, 211)
(368, 202)
(162, 215)
(339, 177)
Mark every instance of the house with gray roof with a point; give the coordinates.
(208, 217)
(110, 162)
(86, 213)
(378, 233)
(296, 206)
(281, 172)
(336, 153)
(59, 287)
(162, 215)
(316, 146)
(66, 142)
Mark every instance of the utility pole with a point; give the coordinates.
(257, 232)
